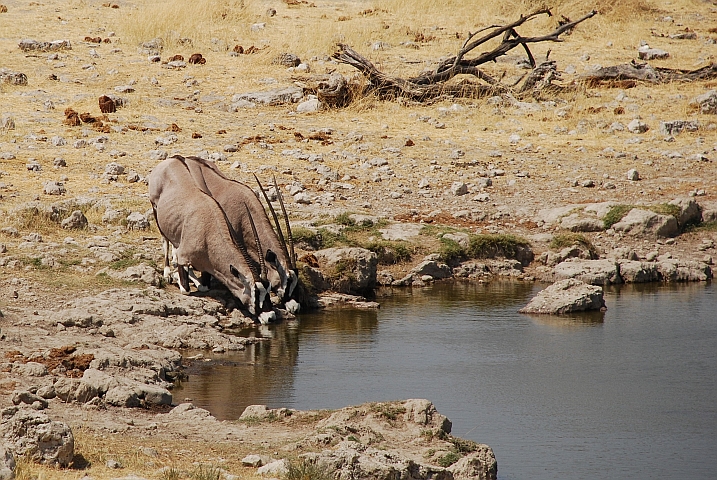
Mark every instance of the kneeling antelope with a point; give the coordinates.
(195, 224)
(244, 208)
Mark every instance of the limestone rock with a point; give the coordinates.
(459, 188)
(7, 464)
(309, 106)
(137, 221)
(424, 413)
(678, 126)
(433, 268)
(76, 221)
(477, 465)
(350, 269)
(401, 231)
(279, 96)
(13, 78)
(139, 273)
(641, 222)
(709, 211)
(707, 102)
(632, 271)
(594, 272)
(33, 435)
(636, 126)
(690, 212)
(279, 468)
(577, 223)
(352, 460)
(676, 271)
(566, 296)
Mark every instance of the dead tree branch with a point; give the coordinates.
(433, 84)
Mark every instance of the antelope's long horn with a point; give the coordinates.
(292, 255)
(273, 214)
(258, 245)
(241, 245)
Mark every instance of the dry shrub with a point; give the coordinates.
(198, 20)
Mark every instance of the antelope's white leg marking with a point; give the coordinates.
(167, 270)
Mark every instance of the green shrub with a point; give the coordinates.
(494, 245)
(615, 214)
(451, 251)
(563, 240)
(390, 252)
(448, 459)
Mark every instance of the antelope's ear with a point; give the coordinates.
(270, 256)
(234, 271)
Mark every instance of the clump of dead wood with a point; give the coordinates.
(435, 84)
(336, 91)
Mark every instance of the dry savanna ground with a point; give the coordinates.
(543, 152)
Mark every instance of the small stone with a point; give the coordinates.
(636, 126)
(633, 175)
(459, 188)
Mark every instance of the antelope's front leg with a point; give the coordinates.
(167, 269)
(183, 279)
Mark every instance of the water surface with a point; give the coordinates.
(631, 393)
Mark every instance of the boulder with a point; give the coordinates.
(578, 223)
(7, 464)
(139, 273)
(594, 272)
(137, 221)
(65, 388)
(75, 221)
(122, 396)
(31, 434)
(639, 222)
(690, 212)
(13, 78)
(29, 398)
(255, 411)
(348, 270)
(677, 271)
(709, 211)
(278, 468)
(706, 103)
(477, 465)
(422, 412)
(437, 270)
(401, 231)
(279, 96)
(566, 296)
(632, 271)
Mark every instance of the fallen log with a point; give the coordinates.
(628, 74)
(433, 84)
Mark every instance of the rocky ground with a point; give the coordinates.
(601, 185)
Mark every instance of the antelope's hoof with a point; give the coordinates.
(266, 317)
(202, 288)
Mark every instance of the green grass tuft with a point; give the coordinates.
(564, 240)
(615, 214)
(448, 459)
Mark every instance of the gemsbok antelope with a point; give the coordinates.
(243, 208)
(203, 238)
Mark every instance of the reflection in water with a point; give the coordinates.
(625, 394)
(263, 373)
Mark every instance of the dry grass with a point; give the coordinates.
(145, 458)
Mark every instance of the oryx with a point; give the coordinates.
(203, 238)
(237, 199)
